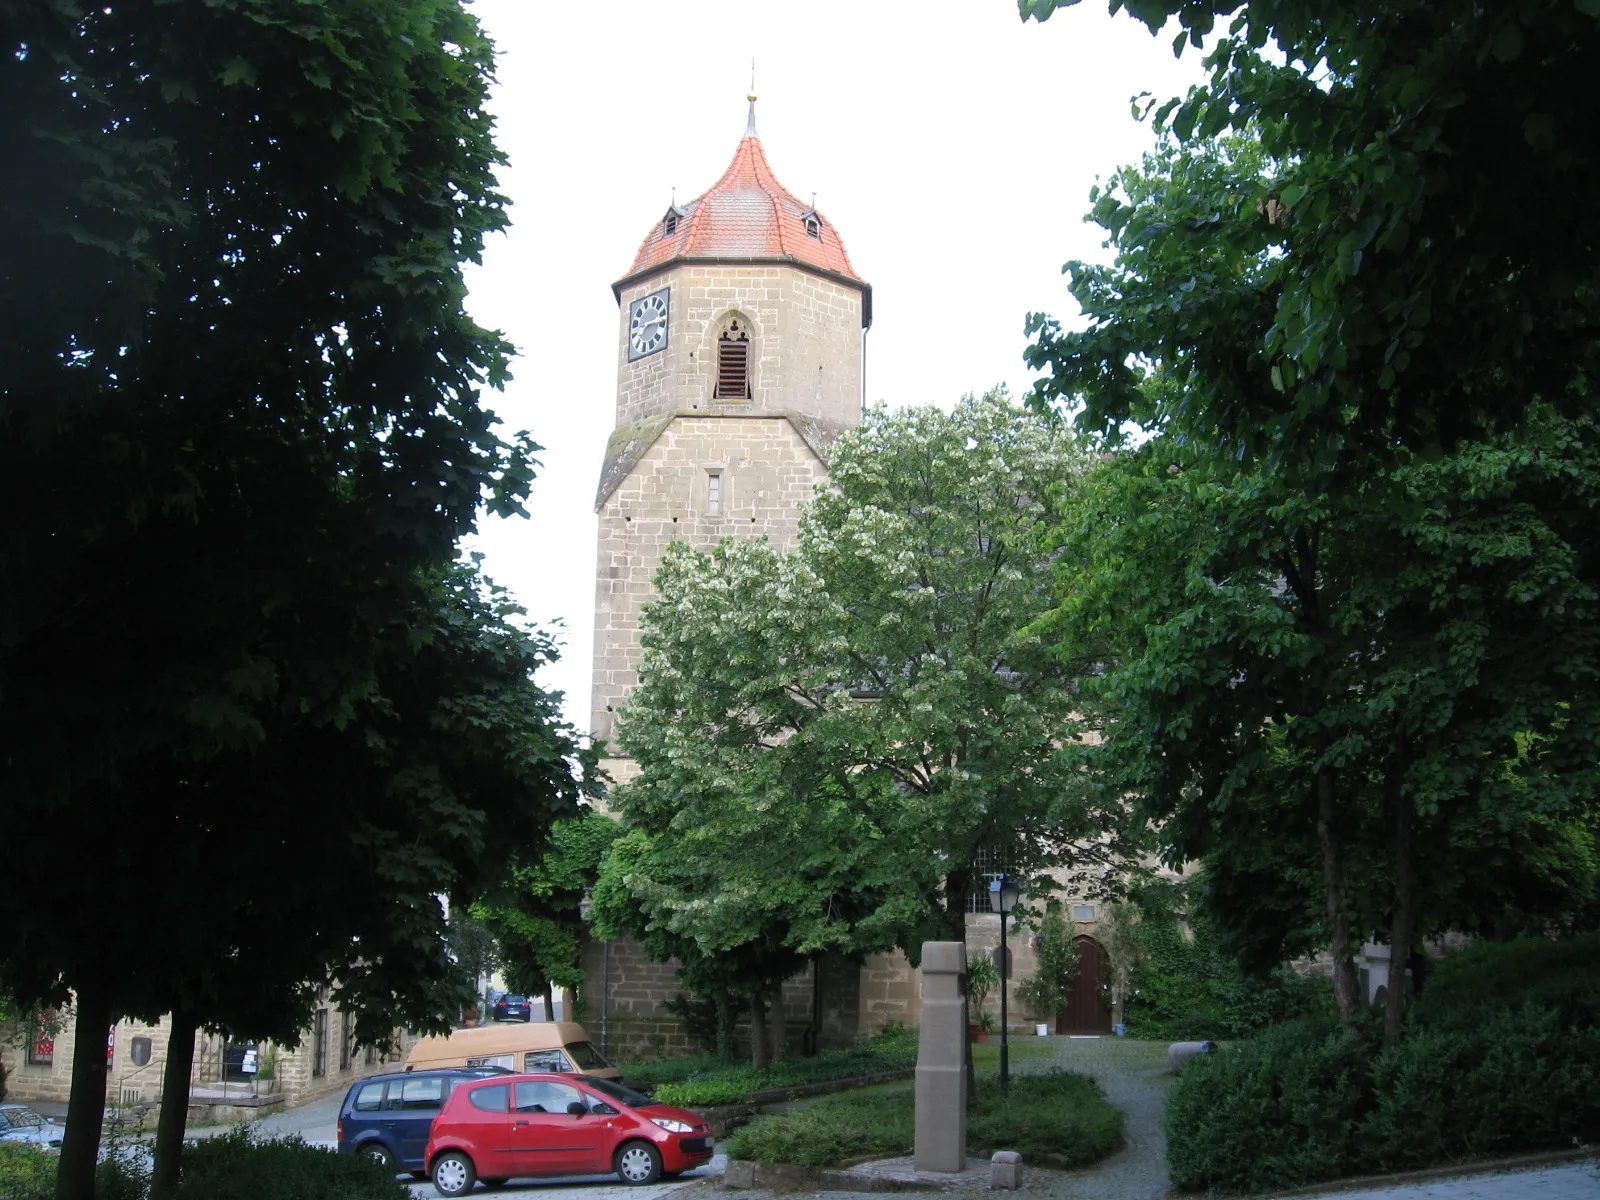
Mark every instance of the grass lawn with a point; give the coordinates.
(1055, 1120)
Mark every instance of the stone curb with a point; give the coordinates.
(782, 1177)
(1548, 1158)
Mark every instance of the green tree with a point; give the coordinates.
(1045, 991)
(872, 702)
(241, 393)
(1430, 165)
(1373, 677)
(535, 917)
(1333, 319)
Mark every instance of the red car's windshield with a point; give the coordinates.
(615, 1091)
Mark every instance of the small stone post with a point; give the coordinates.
(941, 1060)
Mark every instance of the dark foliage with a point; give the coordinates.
(1501, 1055)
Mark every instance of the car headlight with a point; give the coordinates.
(672, 1126)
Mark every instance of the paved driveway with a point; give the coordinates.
(1575, 1181)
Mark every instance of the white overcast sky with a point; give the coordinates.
(951, 146)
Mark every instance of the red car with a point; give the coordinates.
(509, 1126)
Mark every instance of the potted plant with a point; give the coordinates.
(267, 1071)
(982, 976)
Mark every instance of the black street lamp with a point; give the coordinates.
(1003, 897)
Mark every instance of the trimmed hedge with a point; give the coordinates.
(704, 1082)
(29, 1173)
(26, 1173)
(1501, 1054)
(1057, 1120)
(239, 1166)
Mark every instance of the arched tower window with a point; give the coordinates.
(733, 363)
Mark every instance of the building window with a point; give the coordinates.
(713, 494)
(733, 364)
(344, 1041)
(670, 225)
(814, 227)
(42, 1046)
(1083, 912)
(319, 1044)
(987, 863)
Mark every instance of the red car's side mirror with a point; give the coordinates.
(577, 1109)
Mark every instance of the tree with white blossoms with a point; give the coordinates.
(827, 738)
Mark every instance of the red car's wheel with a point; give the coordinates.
(638, 1163)
(453, 1174)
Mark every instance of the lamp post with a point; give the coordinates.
(1003, 896)
(586, 914)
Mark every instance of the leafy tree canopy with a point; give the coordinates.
(873, 702)
(1411, 259)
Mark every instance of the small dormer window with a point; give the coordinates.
(813, 226)
(670, 225)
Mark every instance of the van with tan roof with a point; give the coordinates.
(534, 1046)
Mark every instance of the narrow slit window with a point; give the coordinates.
(670, 225)
(733, 364)
(713, 494)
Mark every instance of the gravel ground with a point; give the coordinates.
(1135, 1079)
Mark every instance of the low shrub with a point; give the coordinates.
(238, 1165)
(26, 1173)
(1501, 1054)
(1283, 1108)
(1523, 1079)
(833, 1130)
(1563, 976)
(29, 1173)
(1056, 1120)
(711, 1082)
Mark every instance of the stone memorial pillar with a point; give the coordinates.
(941, 1060)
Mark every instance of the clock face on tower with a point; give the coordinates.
(647, 325)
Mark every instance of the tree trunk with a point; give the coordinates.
(725, 1024)
(814, 1033)
(174, 1118)
(1405, 907)
(1344, 969)
(549, 1002)
(758, 1033)
(86, 1107)
(778, 1026)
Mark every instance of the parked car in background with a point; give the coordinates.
(19, 1123)
(513, 1008)
(528, 1047)
(386, 1117)
(524, 1125)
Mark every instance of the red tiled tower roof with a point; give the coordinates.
(748, 216)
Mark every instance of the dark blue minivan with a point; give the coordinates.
(387, 1117)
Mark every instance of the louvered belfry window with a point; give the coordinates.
(733, 364)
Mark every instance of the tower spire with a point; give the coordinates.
(750, 125)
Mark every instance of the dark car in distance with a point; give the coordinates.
(524, 1125)
(513, 1008)
(387, 1117)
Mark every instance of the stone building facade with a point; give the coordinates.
(327, 1060)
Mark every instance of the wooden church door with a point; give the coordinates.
(1086, 1010)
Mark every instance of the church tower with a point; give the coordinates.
(739, 358)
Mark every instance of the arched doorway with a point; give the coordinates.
(1087, 1010)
